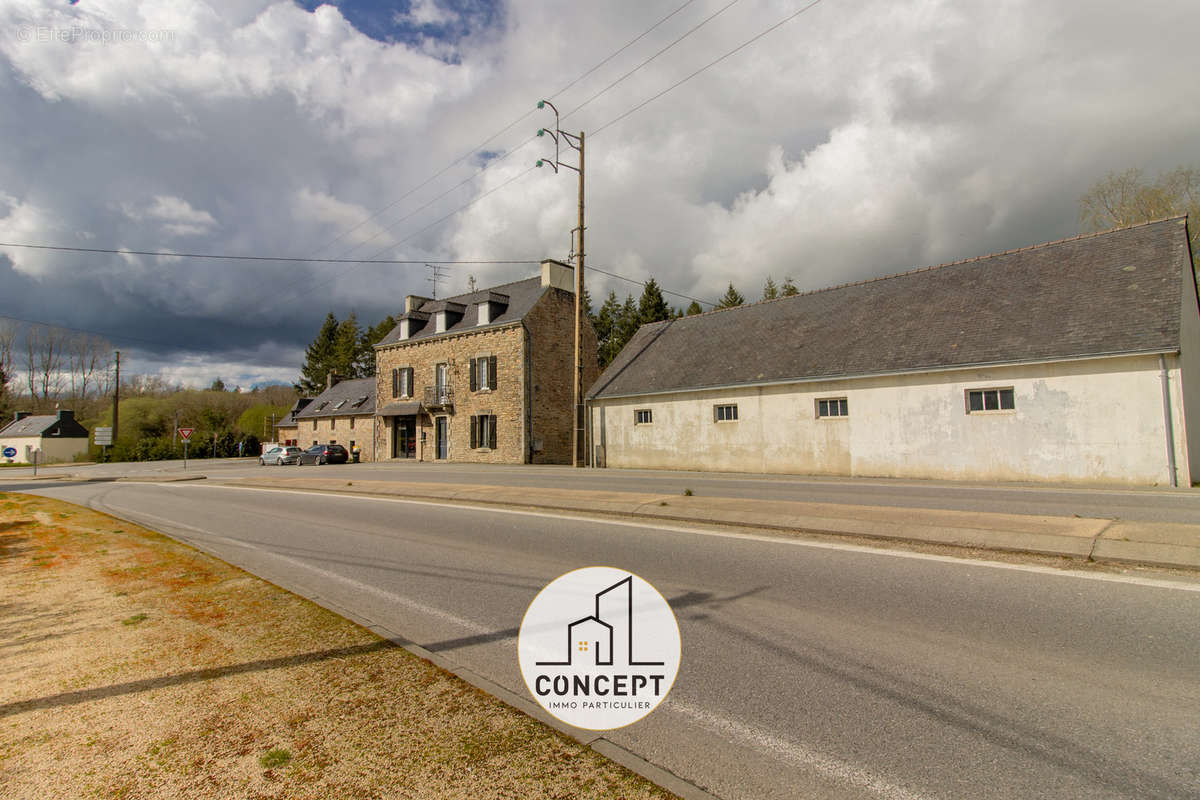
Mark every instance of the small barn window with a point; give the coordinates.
(833, 407)
(643, 416)
(725, 413)
(983, 400)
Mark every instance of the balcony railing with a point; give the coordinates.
(438, 397)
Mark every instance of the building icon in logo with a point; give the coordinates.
(591, 639)
(585, 651)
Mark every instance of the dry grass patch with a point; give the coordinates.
(136, 667)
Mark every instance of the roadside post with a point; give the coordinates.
(35, 460)
(186, 435)
(103, 437)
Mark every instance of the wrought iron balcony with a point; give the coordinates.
(439, 397)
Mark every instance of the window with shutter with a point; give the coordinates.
(395, 383)
(492, 432)
(491, 372)
(474, 376)
(474, 432)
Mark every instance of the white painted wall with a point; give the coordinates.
(1099, 420)
(53, 450)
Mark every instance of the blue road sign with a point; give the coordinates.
(9, 452)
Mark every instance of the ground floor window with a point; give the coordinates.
(833, 407)
(725, 413)
(483, 431)
(643, 416)
(990, 400)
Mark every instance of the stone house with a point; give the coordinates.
(484, 376)
(287, 430)
(342, 414)
(58, 437)
(1071, 361)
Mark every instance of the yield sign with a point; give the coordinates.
(186, 433)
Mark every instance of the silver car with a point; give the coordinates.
(280, 455)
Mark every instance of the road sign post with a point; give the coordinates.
(186, 435)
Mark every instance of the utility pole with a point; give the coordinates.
(575, 142)
(116, 394)
(175, 431)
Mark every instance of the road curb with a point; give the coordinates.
(1081, 539)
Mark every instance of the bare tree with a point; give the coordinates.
(88, 357)
(8, 352)
(1128, 197)
(44, 347)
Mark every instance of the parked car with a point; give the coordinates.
(324, 454)
(280, 455)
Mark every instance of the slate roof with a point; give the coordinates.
(45, 425)
(1099, 294)
(521, 297)
(339, 400)
(290, 421)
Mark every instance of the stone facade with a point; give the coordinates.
(530, 402)
(347, 431)
(551, 332)
(507, 345)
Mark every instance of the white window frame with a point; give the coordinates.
(999, 392)
(483, 374)
(729, 410)
(638, 416)
(841, 409)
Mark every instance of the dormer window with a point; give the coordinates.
(491, 305)
(439, 322)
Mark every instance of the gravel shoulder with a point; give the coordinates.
(136, 667)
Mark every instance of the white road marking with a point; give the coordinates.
(805, 757)
(366, 588)
(1136, 580)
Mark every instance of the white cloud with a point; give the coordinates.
(856, 140)
(427, 12)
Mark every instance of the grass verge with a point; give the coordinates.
(136, 666)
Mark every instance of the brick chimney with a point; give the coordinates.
(331, 380)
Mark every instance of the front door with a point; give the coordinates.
(442, 434)
(404, 437)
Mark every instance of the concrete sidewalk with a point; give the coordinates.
(1103, 540)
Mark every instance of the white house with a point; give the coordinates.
(1076, 360)
(58, 437)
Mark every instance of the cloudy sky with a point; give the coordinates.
(860, 138)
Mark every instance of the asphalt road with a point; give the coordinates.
(1144, 504)
(809, 670)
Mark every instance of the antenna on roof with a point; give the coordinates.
(471, 282)
(436, 275)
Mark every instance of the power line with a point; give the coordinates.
(506, 128)
(712, 63)
(226, 257)
(692, 30)
(643, 283)
(414, 234)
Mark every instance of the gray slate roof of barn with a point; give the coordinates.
(522, 295)
(349, 391)
(1098, 294)
(290, 419)
(45, 425)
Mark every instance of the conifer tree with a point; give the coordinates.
(770, 290)
(652, 307)
(788, 289)
(319, 358)
(694, 308)
(732, 298)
